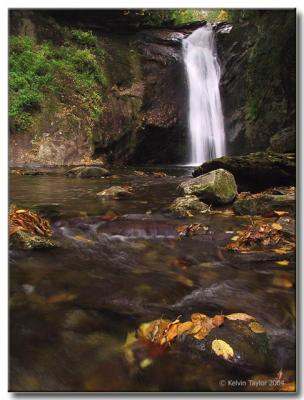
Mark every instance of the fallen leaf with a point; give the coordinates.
(281, 213)
(282, 250)
(276, 226)
(282, 282)
(61, 298)
(127, 347)
(235, 238)
(239, 316)
(288, 387)
(256, 327)
(222, 349)
(184, 280)
(184, 327)
(218, 320)
(146, 362)
(283, 263)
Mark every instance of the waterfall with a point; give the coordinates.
(206, 125)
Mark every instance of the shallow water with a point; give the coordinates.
(72, 307)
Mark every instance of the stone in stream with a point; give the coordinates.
(88, 172)
(257, 170)
(26, 241)
(264, 203)
(188, 204)
(237, 340)
(247, 339)
(216, 187)
(116, 193)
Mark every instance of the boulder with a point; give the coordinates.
(188, 204)
(284, 141)
(116, 193)
(255, 170)
(215, 187)
(264, 203)
(26, 241)
(88, 172)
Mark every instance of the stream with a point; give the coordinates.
(72, 307)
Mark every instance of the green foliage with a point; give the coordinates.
(217, 15)
(85, 38)
(37, 70)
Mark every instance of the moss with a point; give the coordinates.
(72, 72)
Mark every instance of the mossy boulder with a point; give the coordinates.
(215, 187)
(88, 172)
(26, 241)
(116, 193)
(264, 203)
(187, 205)
(255, 170)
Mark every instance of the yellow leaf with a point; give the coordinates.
(131, 339)
(146, 362)
(189, 214)
(184, 327)
(282, 282)
(276, 226)
(184, 280)
(20, 211)
(239, 316)
(222, 349)
(61, 298)
(288, 387)
(171, 333)
(283, 250)
(256, 327)
(281, 213)
(283, 263)
(235, 238)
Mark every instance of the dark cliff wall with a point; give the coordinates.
(258, 84)
(136, 108)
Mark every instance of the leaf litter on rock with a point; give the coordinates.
(157, 335)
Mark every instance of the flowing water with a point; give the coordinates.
(206, 126)
(72, 307)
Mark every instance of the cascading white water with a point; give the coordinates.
(206, 125)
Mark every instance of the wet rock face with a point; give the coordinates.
(215, 187)
(88, 172)
(256, 170)
(164, 107)
(258, 65)
(188, 204)
(284, 141)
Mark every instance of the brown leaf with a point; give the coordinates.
(218, 320)
(256, 327)
(239, 316)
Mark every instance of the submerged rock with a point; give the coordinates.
(26, 241)
(215, 187)
(188, 204)
(264, 203)
(88, 172)
(116, 192)
(258, 170)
